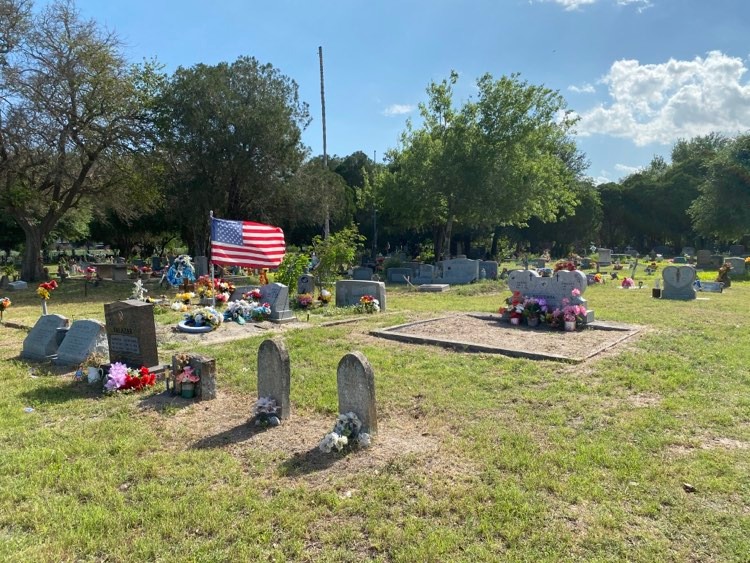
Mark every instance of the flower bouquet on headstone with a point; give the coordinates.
(252, 295)
(534, 309)
(266, 412)
(304, 300)
(123, 378)
(347, 432)
(204, 287)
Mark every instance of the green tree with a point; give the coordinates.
(336, 253)
(722, 209)
(70, 110)
(501, 160)
(231, 134)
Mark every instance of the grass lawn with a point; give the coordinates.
(479, 457)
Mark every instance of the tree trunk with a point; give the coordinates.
(31, 270)
(495, 242)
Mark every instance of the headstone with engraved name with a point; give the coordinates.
(131, 333)
(605, 256)
(84, 338)
(277, 296)
(274, 375)
(41, 343)
(678, 282)
(356, 388)
(552, 289)
(703, 259)
(306, 284)
(459, 270)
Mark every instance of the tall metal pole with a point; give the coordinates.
(327, 224)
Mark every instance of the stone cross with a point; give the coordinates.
(274, 375)
(356, 388)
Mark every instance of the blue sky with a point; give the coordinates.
(640, 73)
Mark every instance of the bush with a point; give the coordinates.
(291, 268)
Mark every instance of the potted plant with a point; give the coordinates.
(514, 310)
(187, 380)
(533, 310)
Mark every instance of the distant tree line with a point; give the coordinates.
(95, 148)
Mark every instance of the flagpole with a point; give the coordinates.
(213, 283)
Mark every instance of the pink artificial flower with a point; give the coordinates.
(576, 292)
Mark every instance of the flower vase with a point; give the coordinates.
(570, 326)
(95, 374)
(187, 390)
(44, 306)
(515, 321)
(533, 321)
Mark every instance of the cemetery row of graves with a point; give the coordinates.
(302, 437)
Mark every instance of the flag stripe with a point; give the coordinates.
(248, 244)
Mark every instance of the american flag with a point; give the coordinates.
(247, 244)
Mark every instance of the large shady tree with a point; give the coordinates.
(499, 160)
(72, 111)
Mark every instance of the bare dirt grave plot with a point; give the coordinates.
(227, 332)
(487, 333)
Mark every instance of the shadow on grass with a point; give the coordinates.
(165, 402)
(235, 435)
(309, 462)
(61, 394)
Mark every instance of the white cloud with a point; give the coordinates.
(583, 89)
(601, 179)
(627, 170)
(398, 109)
(660, 103)
(571, 5)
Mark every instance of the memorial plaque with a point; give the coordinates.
(131, 333)
(84, 338)
(41, 343)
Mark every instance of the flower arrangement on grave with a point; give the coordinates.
(185, 297)
(747, 263)
(123, 378)
(347, 432)
(568, 265)
(90, 273)
(179, 306)
(514, 307)
(252, 295)
(325, 296)
(204, 316)
(534, 308)
(368, 304)
(45, 289)
(598, 278)
(181, 270)
(627, 283)
(187, 375)
(304, 300)
(225, 287)
(5, 302)
(204, 287)
(723, 274)
(266, 412)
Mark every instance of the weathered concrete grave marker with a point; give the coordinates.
(84, 338)
(356, 387)
(41, 343)
(274, 375)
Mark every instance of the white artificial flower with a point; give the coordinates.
(364, 440)
(176, 306)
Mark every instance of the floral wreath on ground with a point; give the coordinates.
(347, 432)
(45, 289)
(204, 316)
(123, 378)
(367, 304)
(266, 412)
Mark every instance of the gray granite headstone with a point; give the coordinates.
(274, 374)
(396, 275)
(41, 343)
(737, 250)
(679, 260)
(738, 265)
(277, 296)
(306, 284)
(18, 285)
(356, 387)
(490, 267)
(553, 289)
(688, 251)
(349, 292)
(605, 256)
(362, 273)
(156, 263)
(678, 282)
(717, 260)
(239, 290)
(85, 337)
(703, 259)
(131, 333)
(119, 272)
(459, 271)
